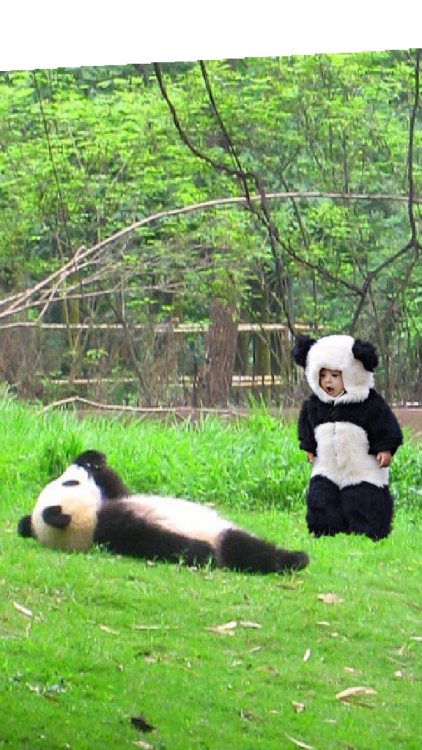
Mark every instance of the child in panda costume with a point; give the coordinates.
(350, 434)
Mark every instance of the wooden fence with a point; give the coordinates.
(157, 364)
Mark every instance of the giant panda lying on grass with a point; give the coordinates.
(89, 504)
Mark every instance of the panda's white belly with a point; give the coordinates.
(343, 456)
(180, 516)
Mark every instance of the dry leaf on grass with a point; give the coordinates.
(247, 715)
(155, 627)
(330, 599)
(141, 724)
(248, 624)
(51, 698)
(148, 659)
(23, 610)
(106, 629)
(299, 743)
(298, 707)
(33, 688)
(307, 655)
(229, 627)
(353, 691)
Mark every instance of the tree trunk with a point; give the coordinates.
(220, 354)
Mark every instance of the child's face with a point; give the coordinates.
(331, 382)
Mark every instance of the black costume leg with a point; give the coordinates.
(369, 509)
(325, 515)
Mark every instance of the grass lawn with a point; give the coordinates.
(212, 659)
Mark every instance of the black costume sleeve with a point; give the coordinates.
(306, 432)
(384, 433)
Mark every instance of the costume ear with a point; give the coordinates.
(300, 352)
(367, 354)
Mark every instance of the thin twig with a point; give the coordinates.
(153, 410)
(52, 161)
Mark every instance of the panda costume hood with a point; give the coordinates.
(348, 490)
(354, 358)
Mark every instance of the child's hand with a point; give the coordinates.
(384, 458)
(310, 457)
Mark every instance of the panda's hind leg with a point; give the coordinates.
(239, 550)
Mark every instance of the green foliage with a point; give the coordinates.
(88, 151)
(118, 156)
(105, 639)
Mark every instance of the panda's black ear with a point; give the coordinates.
(25, 526)
(302, 346)
(366, 353)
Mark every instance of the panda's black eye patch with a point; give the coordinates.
(53, 516)
(70, 483)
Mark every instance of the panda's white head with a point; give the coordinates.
(354, 358)
(65, 514)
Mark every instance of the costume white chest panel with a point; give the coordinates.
(343, 456)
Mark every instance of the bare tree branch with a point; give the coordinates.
(84, 257)
(185, 138)
(262, 213)
(239, 171)
(177, 411)
(411, 149)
